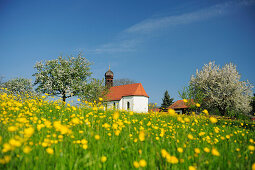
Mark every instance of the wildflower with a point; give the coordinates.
(28, 132)
(192, 168)
(142, 163)
(85, 146)
(253, 166)
(141, 136)
(50, 151)
(15, 143)
(186, 119)
(190, 136)
(116, 115)
(197, 150)
(6, 159)
(100, 99)
(185, 100)
(201, 133)
(215, 152)
(172, 159)
(12, 129)
(180, 150)
(164, 153)
(97, 137)
(206, 149)
(136, 164)
(103, 159)
(251, 148)
(205, 112)
(27, 149)
(213, 120)
(171, 112)
(198, 105)
(6, 147)
(76, 120)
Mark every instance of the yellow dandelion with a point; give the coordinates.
(141, 136)
(205, 112)
(198, 105)
(171, 112)
(180, 150)
(192, 168)
(172, 159)
(136, 164)
(50, 151)
(253, 166)
(190, 137)
(206, 149)
(164, 153)
(103, 159)
(97, 137)
(27, 149)
(185, 100)
(142, 163)
(215, 152)
(251, 147)
(197, 150)
(213, 120)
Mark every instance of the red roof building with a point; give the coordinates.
(130, 97)
(180, 106)
(117, 92)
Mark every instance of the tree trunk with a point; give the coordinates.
(64, 97)
(222, 111)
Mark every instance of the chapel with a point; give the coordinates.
(130, 97)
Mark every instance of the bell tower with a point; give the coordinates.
(109, 78)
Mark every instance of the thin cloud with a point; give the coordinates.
(133, 36)
(150, 25)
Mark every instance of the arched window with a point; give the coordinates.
(128, 105)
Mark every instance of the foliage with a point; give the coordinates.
(166, 101)
(19, 86)
(222, 88)
(123, 81)
(63, 76)
(38, 134)
(94, 91)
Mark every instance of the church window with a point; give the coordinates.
(128, 105)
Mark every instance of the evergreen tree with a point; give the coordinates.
(167, 101)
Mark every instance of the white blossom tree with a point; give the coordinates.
(18, 86)
(222, 88)
(63, 76)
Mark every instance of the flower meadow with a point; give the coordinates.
(42, 134)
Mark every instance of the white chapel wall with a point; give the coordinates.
(140, 104)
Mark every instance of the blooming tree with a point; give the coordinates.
(222, 88)
(94, 90)
(63, 76)
(19, 86)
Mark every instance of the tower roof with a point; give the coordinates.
(117, 92)
(109, 72)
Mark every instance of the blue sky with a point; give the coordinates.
(157, 43)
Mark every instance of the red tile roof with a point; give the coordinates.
(180, 104)
(117, 92)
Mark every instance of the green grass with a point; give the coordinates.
(122, 149)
